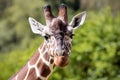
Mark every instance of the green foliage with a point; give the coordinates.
(14, 27)
(95, 54)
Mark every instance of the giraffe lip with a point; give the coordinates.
(61, 61)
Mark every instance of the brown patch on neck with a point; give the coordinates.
(34, 58)
(39, 79)
(46, 56)
(32, 75)
(44, 69)
(51, 61)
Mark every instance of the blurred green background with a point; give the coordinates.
(96, 46)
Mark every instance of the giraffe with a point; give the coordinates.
(55, 49)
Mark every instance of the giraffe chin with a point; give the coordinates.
(61, 61)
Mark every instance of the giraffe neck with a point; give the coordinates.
(39, 67)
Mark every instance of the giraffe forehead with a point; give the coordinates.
(57, 25)
(56, 21)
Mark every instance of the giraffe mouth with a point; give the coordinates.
(61, 61)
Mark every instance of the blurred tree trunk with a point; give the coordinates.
(98, 4)
(73, 4)
(3, 5)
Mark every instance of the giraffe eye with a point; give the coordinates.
(47, 37)
(71, 36)
(62, 34)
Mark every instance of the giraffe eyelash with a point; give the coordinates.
(71, 36)
(47, 37)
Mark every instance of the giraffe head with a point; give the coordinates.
(58, 33)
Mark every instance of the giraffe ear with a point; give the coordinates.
(78, 20)
(36, 27)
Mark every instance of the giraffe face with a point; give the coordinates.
(58, 32)
(59, 41)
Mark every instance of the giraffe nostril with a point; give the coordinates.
(63, 53)
(63, 47)
(61, 61)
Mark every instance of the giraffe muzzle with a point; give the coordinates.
(61, 60)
